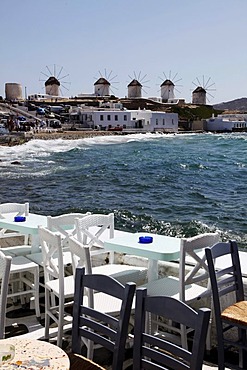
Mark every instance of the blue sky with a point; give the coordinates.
(150, 39)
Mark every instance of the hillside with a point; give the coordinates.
(233, 105)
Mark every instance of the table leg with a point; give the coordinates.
(152, 270)
(35, 243)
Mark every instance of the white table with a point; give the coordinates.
(30, 226)
(163, 248)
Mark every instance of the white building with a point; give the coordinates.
(134, 120)
(227, 123)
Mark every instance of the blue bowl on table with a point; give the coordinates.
(19, 219)
(145, 239)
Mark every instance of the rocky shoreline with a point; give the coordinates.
(21, 138)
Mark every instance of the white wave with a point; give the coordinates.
(34, 149)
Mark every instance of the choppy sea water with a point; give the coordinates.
(170, 184)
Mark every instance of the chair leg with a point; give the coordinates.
(184, 339)
(242, 351)
(90, 349)
(60, 322)
(36, 293)
(47, 317)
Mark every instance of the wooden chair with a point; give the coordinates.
(227, 286)
(78, 362)
(5, 263)
(93, 323)
(152, 351)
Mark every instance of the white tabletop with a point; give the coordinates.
(36, 355)
(164, 248)
(30, 226)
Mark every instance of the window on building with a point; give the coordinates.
(102, 117)
(164, 122)
(125, 117)
(157, 121)
(108, 117)
(172, 121)
(116, 117)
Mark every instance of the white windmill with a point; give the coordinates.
(168, 86)
(104, 84)
(204, 87)
(135, 87)
(55, 79)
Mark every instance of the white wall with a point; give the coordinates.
(145, 119)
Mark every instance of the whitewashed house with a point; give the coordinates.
(227, 123)
(129, 120)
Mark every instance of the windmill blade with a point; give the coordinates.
(199, 82)
(64, 76)
(174, 76)
(49, 70)
(139, 75)
(44, 74)
(208, 87)
(194, 83)
(112, 78)
(108, 76)
(210, 95)
(141, 80)
(65, 87)
(175, 82)
(165, 76)
(59, 72)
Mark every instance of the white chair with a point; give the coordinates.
(193, 281)
(59, 290)
(24, 281)
(14, 209)
(5, 263)
(63, 225)
(92, 230)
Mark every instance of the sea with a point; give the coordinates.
(172, 184)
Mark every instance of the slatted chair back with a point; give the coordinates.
(5, 263)
(193, 252)
(93, 229)
(52, 254)
(18, 209)
(15, 209)
(80, 255)
(109, 331)
(64, 225)
(227, 282)
(152, 351)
